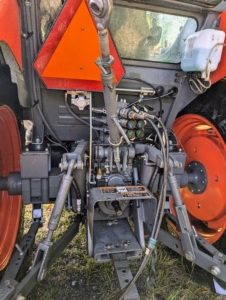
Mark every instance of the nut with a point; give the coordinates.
(215, 270)
(7, 282)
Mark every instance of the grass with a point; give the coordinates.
(76, 276)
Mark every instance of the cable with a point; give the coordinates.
(75, 185)
(149, 84)
(208, 59)
(55, 143)
(198, 87)
(47, 125)
(80, 119)
(162, 196)
(149, 99)
(77, 195)
(153, 177)
(30, 16)
(160, 209)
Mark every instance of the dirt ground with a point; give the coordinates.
(76, 276)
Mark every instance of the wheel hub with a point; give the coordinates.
(197, 177)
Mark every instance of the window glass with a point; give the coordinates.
(146, 35)
(49, 11)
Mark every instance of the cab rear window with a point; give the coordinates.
(151, 36)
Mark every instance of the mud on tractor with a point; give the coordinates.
(118, 112)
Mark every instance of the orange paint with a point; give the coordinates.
(207, 211)
(221, 69)
(10, 27)
(67, 58)
(77, 51)
(10, 206)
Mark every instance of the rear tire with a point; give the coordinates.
(11, 131)
(207, 109)
(201, 132)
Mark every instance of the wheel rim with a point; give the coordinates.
(203, 144)
(10, 206)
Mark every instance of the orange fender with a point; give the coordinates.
(10, 27)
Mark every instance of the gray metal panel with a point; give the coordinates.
(116, 238)
(34, 165)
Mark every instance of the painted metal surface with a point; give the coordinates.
(202, 142)
(10, 206)
(67, 58)
(221, 69)
(10, 27)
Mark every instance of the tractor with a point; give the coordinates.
(116, 111)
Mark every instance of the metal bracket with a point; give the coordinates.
(124, 275)
(79, 98)
(7, 288)
(43, 253)
(105, 65)
(203, 260)
(37, 139)
(101, 11)
(11, 289)
(18, 260)
(216, 254)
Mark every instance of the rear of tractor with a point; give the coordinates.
(118, 113)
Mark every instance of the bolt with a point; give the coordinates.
(215, 270)
(7, 282)
(126, 243)
(27, 150)
(189, 256)
(46, 149)
(19, 249)
(108, 246)
(81, 67)
(37, 140)
(20, 297)
(82, 28)
(201, 170)
(198, 190)
(180, 150)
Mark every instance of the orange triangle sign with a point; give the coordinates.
(77, 51)
(67, 58)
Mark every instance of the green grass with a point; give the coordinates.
(76, 276)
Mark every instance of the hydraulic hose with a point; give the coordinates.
(149, 84)
(33, 48)
(159, 213)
